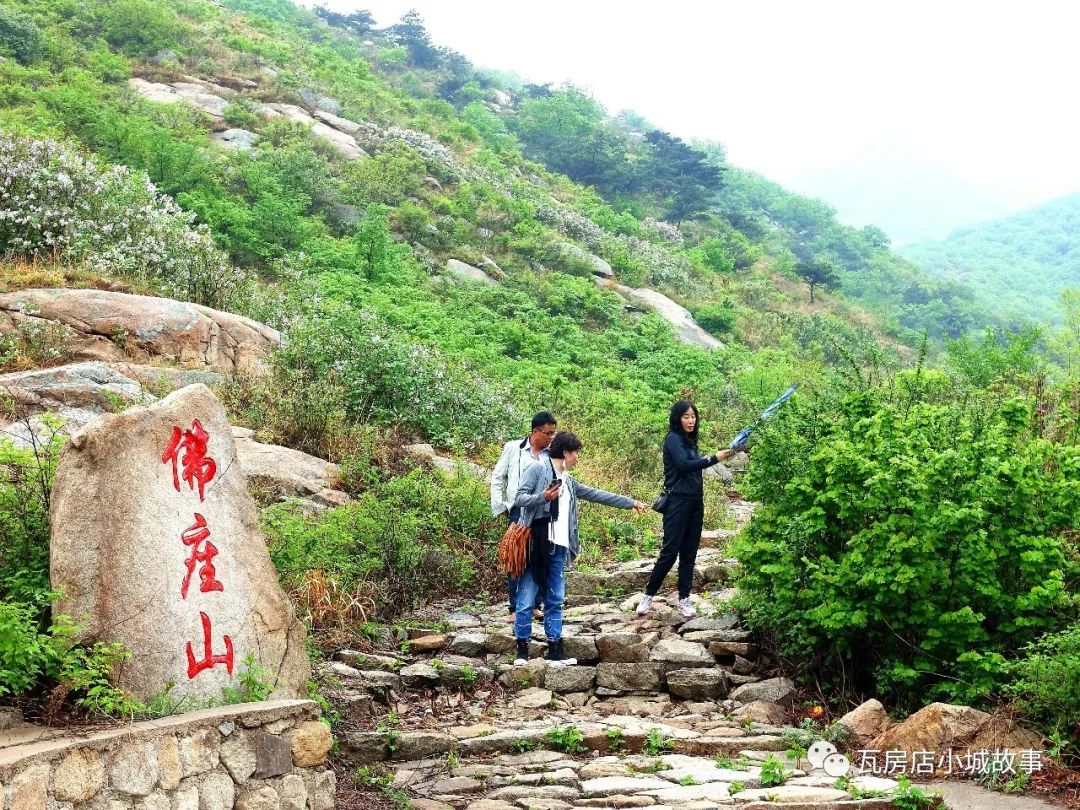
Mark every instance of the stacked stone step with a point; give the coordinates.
(713, 568)
(697, 756)
(618, 652)
(552, 780)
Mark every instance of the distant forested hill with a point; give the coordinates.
(1017, 265)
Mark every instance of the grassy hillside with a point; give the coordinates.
(337, 182)
(1016, 266)
(302, 228)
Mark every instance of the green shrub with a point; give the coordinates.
(25, 488)
(909, 540)
(773, 772)
(34, 650)
(719, 319)
(616, 741)
(389, 379)
(20, 37)
(241, 113)
(406, 541)
(387, 178)
(1044, 683)
(25, 652)
(911, 797)
(567, 739)
(656, 743)
(140, 27)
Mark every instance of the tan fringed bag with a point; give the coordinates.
(513, 549)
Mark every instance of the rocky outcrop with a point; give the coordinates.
(596, 265)
(287, 473)
(865, 723)
(236, 138)
(941, 726)
(112, 326)
(686, 327)
(204, 96)
(155, 544)
(460, 269)
(775, 690)
(79, 387)
(342, 141)
(426, 454)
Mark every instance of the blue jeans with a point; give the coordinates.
(512, 582)
(544, 578)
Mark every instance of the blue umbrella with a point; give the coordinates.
(740, 440)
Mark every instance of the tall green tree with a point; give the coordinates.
(360, 22)
(566, 131)
(412, 34)
(681, 174)
(820, 272)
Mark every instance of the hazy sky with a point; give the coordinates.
(984, 90)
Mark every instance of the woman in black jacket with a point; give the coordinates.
(685, 510)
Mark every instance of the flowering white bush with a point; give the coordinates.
(391, 379)
(572, 224)
(663, 267)
(59, 204)
(665, 230)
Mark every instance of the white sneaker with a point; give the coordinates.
(565, 662)
(686, 609)
(644, 606)
(520, 662)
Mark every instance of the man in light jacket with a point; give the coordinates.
(517, 456)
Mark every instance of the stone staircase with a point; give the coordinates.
(659, 711)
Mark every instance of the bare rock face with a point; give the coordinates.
(201, 95)
(425, 453)
(343, 141)
(113, 326)
(764, 712)
(941, 726)
(460, 269)
(236, 138)
(686, 327)
(85, 386)
(155, 543)
(866, 722)
(289, 473)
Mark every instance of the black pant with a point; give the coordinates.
(683, 520)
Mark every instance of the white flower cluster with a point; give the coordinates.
(434, 153)
(390, 378)
(571, 223)
(662, 266)
(59, 204)
(665, 230)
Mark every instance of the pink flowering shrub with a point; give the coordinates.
(64, 206)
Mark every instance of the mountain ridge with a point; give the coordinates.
(1019, 263)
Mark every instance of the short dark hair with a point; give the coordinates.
(543, 418)
(563, 443)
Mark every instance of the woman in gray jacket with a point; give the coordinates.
(548, 499)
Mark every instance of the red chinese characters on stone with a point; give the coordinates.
(209, 660)
(202, 551)
(187, 452)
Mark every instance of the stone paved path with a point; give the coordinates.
(968, 796)
(660, 712)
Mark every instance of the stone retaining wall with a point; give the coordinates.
(253, 756)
